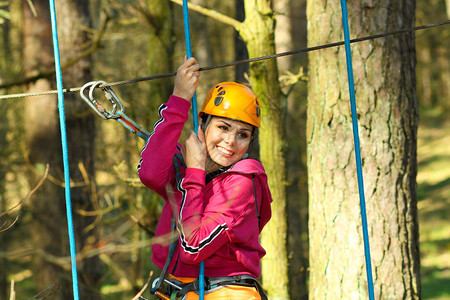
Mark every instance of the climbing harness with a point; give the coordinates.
(176, 289)
(65, 152)
(118, 110)
(351, 87)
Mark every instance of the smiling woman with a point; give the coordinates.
(219, 197)
(227, 142)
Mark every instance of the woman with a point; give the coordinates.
(221, 200)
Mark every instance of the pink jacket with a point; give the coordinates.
(217, 222)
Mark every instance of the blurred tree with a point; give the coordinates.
(257, 31)
(447, 6)
(3, 204)
(42, 141)
(433, 59)
(74, 19)
(290, 33)
(384, 72)
(240, 49)
(161, 49)
(4, 44)
(9, 130)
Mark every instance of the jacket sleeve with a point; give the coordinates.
(205, 225)
(155, 168)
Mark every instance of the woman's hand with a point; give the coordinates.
(187, 79)
(194, 150)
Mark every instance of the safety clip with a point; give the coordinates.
(118, 110)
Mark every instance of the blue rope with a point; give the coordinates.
(187, 35)
(362, 201)
(62, 121)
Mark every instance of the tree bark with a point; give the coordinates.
(161, 49)
(290, 33)
(384, 72)
(258, 33)
(240, 51)
(73, 17)
(283, 33)
(43, 143)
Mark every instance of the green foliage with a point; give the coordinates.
(433, 181)
(4, 13)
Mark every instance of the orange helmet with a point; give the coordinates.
(234, 101)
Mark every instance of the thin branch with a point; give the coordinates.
(50, 177)
(212, 14)
(138, 295)
(134, 182)
(106, 259)
(55, 286)
(94, 213)
(12, 294)
(41, 181)
(33, 9)
(10, 225)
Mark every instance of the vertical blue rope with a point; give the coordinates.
(362, 200)
(62, 122)
(187, 35)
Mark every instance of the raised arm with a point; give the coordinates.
(156, 157)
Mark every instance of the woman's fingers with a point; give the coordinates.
(187, 79)
(195, 151)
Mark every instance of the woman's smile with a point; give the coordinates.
(225, 152)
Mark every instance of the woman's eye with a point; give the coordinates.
(243, 135)
(223, 127)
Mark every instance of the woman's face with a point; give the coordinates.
(227, 140)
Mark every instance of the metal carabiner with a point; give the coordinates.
(97, 107)
(118, 110)
(157, 284)
(118, 107)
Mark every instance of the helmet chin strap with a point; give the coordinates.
(211, 164)
(208, 119)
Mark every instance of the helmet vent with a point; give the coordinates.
(221, 93)
(258, 111)
(218, 100)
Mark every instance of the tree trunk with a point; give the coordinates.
(283, 33)
(4, 44)
(258, 33)
(384, 72)
(161, 50)
(290, 33)
(447, 6)
(43, 143)
(73, 17)
(240, 49)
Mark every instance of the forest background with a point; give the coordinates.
(127, 39)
